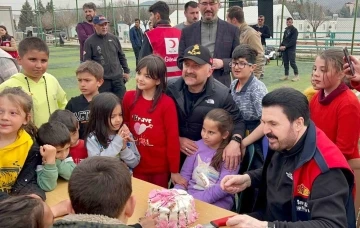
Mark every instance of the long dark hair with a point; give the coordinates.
(101, 108)
(156, 69)
(22, 212)
(6, 36)
(18, 97)
(225, 124)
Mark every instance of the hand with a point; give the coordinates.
(245, 221)
(282, 48)
(62, 208)
(148, 222)
(126, 77)
(125, 134)
(217, 64)
(231, 155)
(187, 146)
(176, 178)
(235, 183)
(48, 153)
(259, 33)
(356, 65)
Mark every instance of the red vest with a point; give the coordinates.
(327, 157)
(7, 43)
(165, 43)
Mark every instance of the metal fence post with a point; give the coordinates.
(354, 26)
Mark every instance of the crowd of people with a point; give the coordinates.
(200, 119)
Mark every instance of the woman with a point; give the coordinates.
(7, 42)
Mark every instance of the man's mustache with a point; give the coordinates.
(269, 135)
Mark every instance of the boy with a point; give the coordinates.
(45, 90)
(55, 138)
(109, 204)
(248, 92)
(77, 146)
(90, 76)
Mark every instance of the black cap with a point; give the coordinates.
(199, 54)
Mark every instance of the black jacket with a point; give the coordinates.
(227, 38)
(290, 38)
(107, 51)
(265, 32)
(80, 107)
(216, 95)
(26, 183)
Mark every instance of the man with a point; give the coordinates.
(8, 66)
(219, 37)
(305, 181)
(191, 13)
(288, 49)
(86, 29)
(262, 29)
(195, 94)
(248, 36)
(136, 38)
(163, 40)
(105, 49)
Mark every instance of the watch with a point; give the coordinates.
(236, 139)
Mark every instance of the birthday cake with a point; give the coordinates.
(176, 208)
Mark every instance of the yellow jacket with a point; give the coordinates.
(46, 89)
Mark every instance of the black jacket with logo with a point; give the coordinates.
(80, 107)
(107, 51)
(290, 37)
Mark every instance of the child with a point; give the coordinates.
(205, 169)
(24, 212)
(90, 76)
(55, 138)
(100, 194)
(19, 152)
(106, 134)
(334, 108)
(152, 118)
(77, 146)
(44, 89)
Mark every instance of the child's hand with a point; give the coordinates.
(48, 153)
(125, 134)
(148, 222)
(176, 178)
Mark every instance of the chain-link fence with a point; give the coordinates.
(321, 23)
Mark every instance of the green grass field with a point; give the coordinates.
(64, 61)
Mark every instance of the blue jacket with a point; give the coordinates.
(135, 39)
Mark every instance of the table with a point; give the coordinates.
(141, 189)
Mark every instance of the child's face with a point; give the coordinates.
(74, 138)
(2, 32)
(211, 135)
(322, 79)
(12, 117)
(144, 80)
(62, 152)
(116, 118)
(240, 68)
(34, 64)
(88, 84)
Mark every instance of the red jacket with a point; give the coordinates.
(164, 41)
(7, 43)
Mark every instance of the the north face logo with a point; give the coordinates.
(171, 45)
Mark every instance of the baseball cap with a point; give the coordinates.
(99, 19)
(199, 54)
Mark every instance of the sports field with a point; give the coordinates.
(64, 61)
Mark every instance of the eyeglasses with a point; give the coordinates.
(208, 3)
(241, 65)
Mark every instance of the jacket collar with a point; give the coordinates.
(102, 219)
(162, 23)
(334, 94)
(309, 145)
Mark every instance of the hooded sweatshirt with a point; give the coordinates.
(12, 160)
(47, 94)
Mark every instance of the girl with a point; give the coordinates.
(204, 170)
(334, 108)
(19, 152)
(152, 118)
(7, 42)
(106, 134)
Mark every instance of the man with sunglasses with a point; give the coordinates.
(218, 36)
(262, 29)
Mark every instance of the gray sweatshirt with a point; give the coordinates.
(130, 155)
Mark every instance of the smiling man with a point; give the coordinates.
(86, 28)
(305, 180)
(218, 36)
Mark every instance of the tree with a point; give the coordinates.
(66, 19)
(344, 12)
(47, 21)
(26, 16)
(144, 15)
(40, 8)
(50, 6)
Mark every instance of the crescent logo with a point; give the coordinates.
(171, 45)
